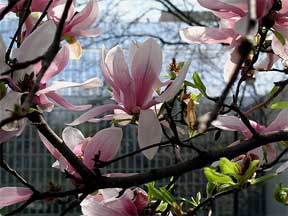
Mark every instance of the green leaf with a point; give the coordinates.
(229, 168)
(187, 83)
(162, 206)
(280, 37)
(263, 178)
(199, 84)
(274, 90)
(195, 97)
(280, 105)
(210, 187)
(217, 178)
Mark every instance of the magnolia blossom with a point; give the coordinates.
(133, 90)
(7, 105)
(108, 202)
(12, 195)
(35, 45)
(104, 143)
(234, 24)
(76, 24)
(232, 123)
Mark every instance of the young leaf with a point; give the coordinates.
(210, 187)
(263, 178)
(198, 83)
(229, 168)
(280, 105)
(217, 178)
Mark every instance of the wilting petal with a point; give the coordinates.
(72, 137)
(91, 83)
(93, 113)
(75, 50)
(62, 102)
(174, 88)
(149, 132)
(199, 35)
(270, 152)
(13, 195)
(279, 123)
(106, 143)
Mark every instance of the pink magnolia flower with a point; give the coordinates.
(77, 23)
(107, 202)
(7, 105)
(35, 45)
(13, 195)
(133, 90)
(232, 123)
(104, 143)
(234, 24)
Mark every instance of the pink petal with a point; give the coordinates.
(149, 132)
(279, 123)
(93, 113)
(231, 65)
(57, 85)
(121, 77)
(279, 49)
(200, 35)
(86, 17)
(49, 146)
(230, 123)
(58, 64)
(62, 102)
(92, 207)
(222, 9)
(106, 142)
(174, 88)
(146, 67)
(13, 195)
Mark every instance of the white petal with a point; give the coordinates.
(72, 137)
(149, 132)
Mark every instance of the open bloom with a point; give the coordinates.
(76, 24)
(12, 195)
(108, 202)
(232, 123)
(234, 24)
(33, 46)
(104, 143)
(133, 90)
